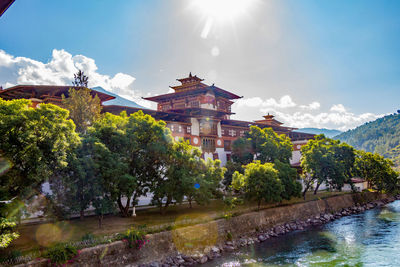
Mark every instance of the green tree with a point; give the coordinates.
(178, 176)
(138, 146)
(259, 182)
(83, 108)
(262, 144)
(325, 160)
(7, 233)
(288, 177)
(207, 184)
(73, 187)
(35, 142)
(231, 168)
(242, 152)
(80, 79)
(378, 171)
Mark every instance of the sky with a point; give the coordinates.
(325, 64)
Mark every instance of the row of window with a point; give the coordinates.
(232, 132)
(180, 128)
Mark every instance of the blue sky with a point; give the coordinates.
(333, 64)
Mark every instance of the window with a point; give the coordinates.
(227, 145)
(208, 144)
(232, 132)
(172, 128)
(228, 157)
(188, 129)
(222, 132)
(179, 106)
(194, 104)
(179, 128)
(241, 133)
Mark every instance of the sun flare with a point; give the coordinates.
(223, 9)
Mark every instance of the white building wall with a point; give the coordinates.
(221, 155)
(195, 130)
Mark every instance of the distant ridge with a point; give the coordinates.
(118, 101)
(379, 136)
(327, 132)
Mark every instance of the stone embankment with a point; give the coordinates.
(167, 248)
(264, 235)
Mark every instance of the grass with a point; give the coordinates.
(39, 236)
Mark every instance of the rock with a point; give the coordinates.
(229, 248)
(187, 258)
(179, 260)
(229, 243)
(154, 264)
(215, 249)
(203, 259)
(261, 238)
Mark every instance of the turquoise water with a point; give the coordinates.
(368, 239)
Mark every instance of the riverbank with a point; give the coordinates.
(200, 243)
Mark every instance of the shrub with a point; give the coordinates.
(135, 238)
(61, 253)
(88, 236)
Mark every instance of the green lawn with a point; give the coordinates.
(34, 236)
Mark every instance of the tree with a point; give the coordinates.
(207, 183)
(83, 108)
(325, 160)
(35, 142)
(231, 167)
(259, 144)
(259, 182)
(80, 79)
(178, 176)
(288, 177)
(7, 234)
(138, 146)
(262, 144)
(74, 186)
(378, 171)
(242, 152)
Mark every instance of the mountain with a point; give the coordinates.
(327, 132)
(118, 101)
(380, 136)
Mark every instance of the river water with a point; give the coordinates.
(371, 238)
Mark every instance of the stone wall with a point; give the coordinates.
(170, 243)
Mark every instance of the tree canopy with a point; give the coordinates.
(35, 142)
(325, 160)
(259, 182)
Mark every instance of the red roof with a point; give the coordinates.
(216, 90)
(43, 91)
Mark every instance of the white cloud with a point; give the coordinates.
(338, 108)
(300, 116)
(284, 102)
(60, 71)
(312, 106)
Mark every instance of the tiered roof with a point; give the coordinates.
(192, 85)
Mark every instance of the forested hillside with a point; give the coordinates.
(380, 136)
(327, 132)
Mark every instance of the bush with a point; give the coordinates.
(135, 238)
(88, 236)
(61, 253)
(10, 257)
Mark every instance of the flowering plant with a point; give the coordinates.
(135, 237)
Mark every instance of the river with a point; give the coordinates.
(371, 238)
